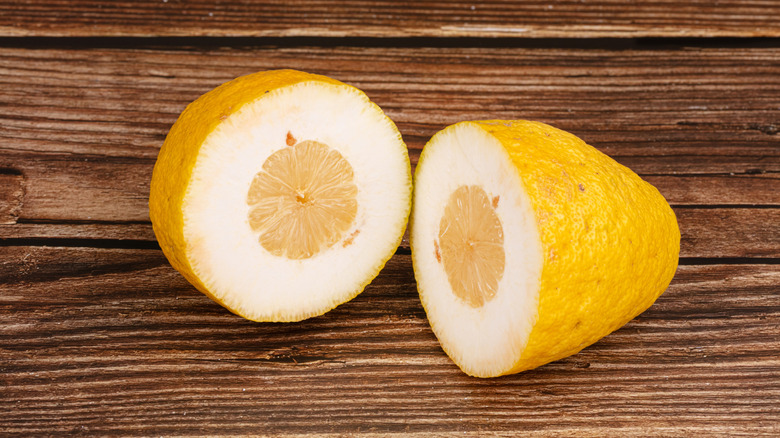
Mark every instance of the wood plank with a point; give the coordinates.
(662, 112)
(99, 341)
(727, 232)
(106, 198)
(116, 189)
(100, 233)
(385, 18)
(83, 127)
(657, 111)
(731, 189)
(706, 233)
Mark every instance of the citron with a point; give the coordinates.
(281, 194)
(529, 245)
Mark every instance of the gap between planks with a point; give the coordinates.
(216, 42)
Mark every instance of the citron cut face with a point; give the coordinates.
(529, 245)
(281, 194)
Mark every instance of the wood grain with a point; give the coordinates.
(99, 336)
(71, 188)
(88, 188)
(98, 341)
(85, 129)
(385, 18)
(706, 233)
(105, 112)
(657, 111)
(11, 195)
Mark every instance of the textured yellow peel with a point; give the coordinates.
(610, 241)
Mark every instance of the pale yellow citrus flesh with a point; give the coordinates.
(303, 200)
(471, 241)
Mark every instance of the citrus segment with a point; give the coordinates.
(472, 245)
(303, 200)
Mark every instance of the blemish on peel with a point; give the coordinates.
(290, 139)
(436, 251)
(582, 187)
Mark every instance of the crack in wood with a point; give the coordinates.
(193, 43)
(688, 261)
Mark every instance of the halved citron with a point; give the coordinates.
(281, 194)
(529, 245)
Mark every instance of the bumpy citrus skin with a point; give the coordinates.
(179, 153)
(610, 241)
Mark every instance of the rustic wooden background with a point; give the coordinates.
(100, 336)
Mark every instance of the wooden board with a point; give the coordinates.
(84, 160)
(99, 341)
(384, 18)
(655, 110)
(706, 233)
(100, 336)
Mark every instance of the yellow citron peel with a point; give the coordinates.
(608, 244)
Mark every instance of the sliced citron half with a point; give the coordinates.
(281, 194)
(529, 245)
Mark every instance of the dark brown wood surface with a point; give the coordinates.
(385, 18)
(100, 336)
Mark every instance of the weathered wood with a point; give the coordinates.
(708, 233)
(99, 341)
(83, 126)
(80, 188)
(729, 189)
(100, 336)
(106, 198)
(11, 195)
(727, 232)
(54, 233)
(658, 111)
(385, 18)
(98, 188)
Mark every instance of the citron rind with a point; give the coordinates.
(609, 243)
(178, 158)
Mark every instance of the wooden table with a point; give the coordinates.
(100, 336)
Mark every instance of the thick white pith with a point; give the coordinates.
(489, 339)
(223, 249)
